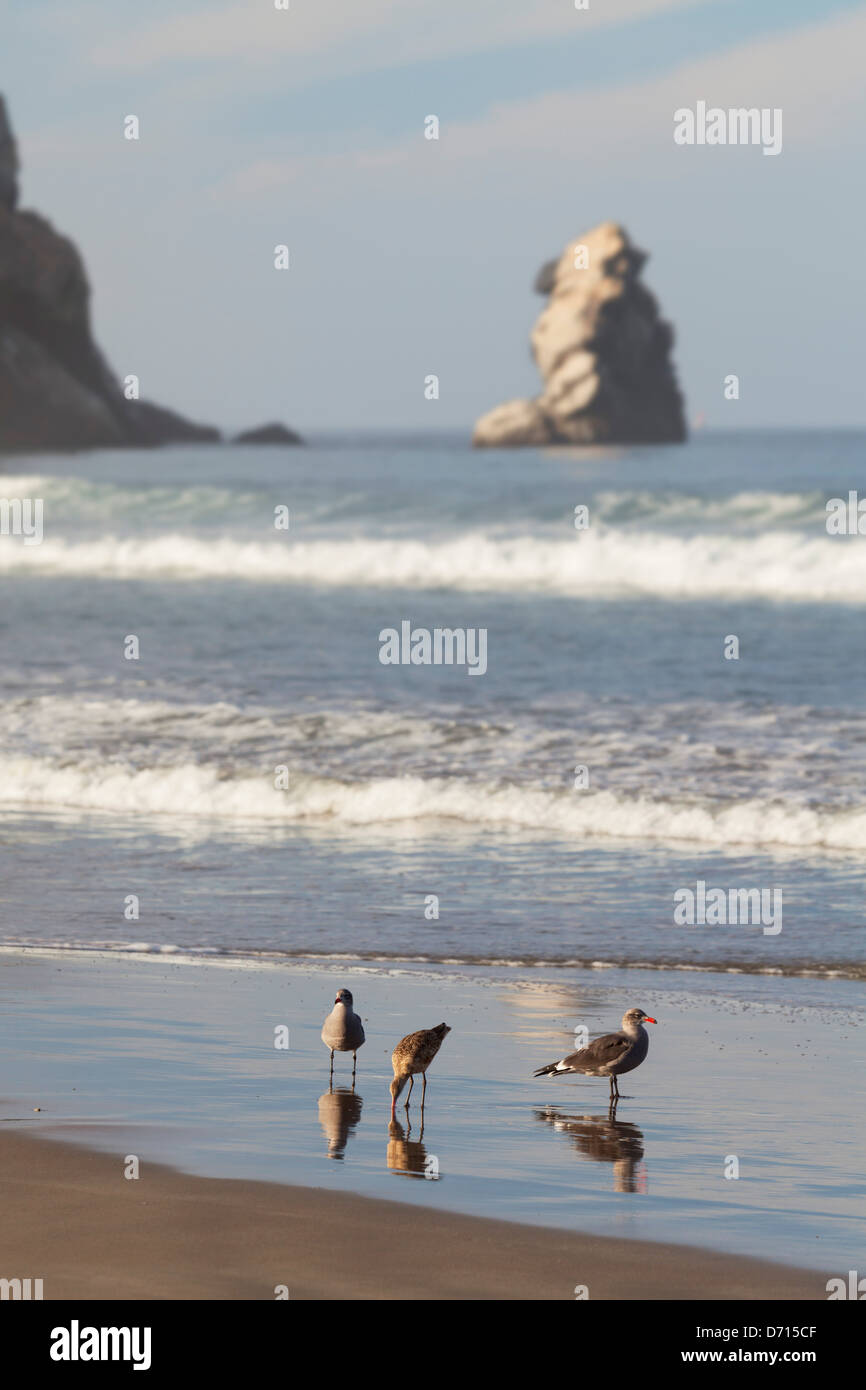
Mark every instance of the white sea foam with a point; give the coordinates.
(685, 752)
(194, 790)
(781, 566)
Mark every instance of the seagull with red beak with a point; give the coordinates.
(609, 1056)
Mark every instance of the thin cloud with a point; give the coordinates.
(814, 75)
(358, 36)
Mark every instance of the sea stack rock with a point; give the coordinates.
(603, 353)
(56, 389)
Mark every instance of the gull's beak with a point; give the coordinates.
(647, 1019)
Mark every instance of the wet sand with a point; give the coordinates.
(176, 1063)
(72, 1219)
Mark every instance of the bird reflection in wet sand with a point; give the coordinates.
(339, 1113)
(408, 1156)
(605, 1139)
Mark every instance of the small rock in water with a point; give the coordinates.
(269, 434)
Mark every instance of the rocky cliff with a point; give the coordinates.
(56, 389)
(603, 353)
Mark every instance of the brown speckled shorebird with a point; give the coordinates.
(413, 1055)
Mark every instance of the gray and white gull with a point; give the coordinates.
(609, 1056)
(343, 1030)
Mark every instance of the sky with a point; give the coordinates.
(411, 257)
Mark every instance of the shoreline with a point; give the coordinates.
(172, 1235)
(513, 970)
(178, 1064)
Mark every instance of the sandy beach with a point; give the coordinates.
(433, 609)
(169, 1235)
(254, 1173)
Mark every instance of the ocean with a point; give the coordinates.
(249, 779)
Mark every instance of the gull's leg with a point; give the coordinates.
(411, 1084)
(332, 1067)
(354, 1065)
(423, 1089)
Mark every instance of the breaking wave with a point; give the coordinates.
(782, 566)
(194, 790)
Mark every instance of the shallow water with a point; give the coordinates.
(176, 1063)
